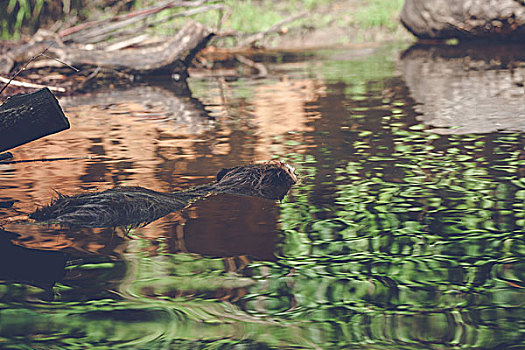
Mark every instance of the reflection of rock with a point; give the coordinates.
(467, 89)
(439, 19)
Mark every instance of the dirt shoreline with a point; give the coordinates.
(332, 25)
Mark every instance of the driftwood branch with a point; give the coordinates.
(167, 56)
(126, 43)
(126, 31)
(11, 80)
(25, 53)
(23, 68)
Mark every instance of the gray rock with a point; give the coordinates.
(467, 19)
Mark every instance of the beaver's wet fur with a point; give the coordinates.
(135, 206)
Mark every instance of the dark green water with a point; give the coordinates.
(401, 234)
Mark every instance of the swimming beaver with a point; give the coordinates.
(135, 206)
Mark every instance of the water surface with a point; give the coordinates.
(405, 231)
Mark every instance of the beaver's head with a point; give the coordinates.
(271, 180)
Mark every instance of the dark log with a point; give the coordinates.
(135, 206)
(28, 117)
(472, 19)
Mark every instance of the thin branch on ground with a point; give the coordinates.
(29, 85)
(61, 62)
(44, 160)
(90, 77)
(186, 13)
(146, 11)
(277, 27)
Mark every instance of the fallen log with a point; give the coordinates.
(136, 206)
(172, 56)
(28, 117)
(23, 53)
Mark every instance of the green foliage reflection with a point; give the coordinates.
(418, 238)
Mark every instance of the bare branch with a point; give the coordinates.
(29, 85)
(277, 27)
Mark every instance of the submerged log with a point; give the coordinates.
(465, 19)
(136, 206)
(28, 117)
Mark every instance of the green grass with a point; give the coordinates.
(250, 16)
(379, 13)
(257, 15)
(16, 13)
(25, 17)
